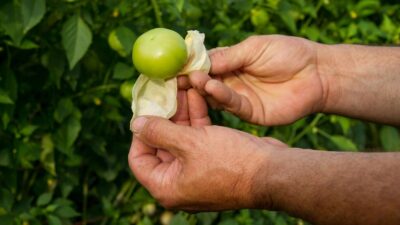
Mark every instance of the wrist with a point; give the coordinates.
(293, 180)
(265, 183)
(360, 81)
(328, 67)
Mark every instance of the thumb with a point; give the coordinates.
(227, 59)
(162, 133)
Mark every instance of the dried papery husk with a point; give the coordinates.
(159, 97)
(197, 54)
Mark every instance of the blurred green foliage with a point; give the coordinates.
(64, 134)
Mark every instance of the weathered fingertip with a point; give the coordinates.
(198, 80)
(138, 124)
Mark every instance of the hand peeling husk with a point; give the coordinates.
(159, 97)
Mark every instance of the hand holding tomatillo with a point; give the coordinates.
(188, 164)
(267, 80)
(275, 79)
(198, 167)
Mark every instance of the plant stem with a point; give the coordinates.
(305, 130)
(324, 134)
(157, 13)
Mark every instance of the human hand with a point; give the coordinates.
(199, 167)
(268, 80)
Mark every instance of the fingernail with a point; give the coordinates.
(138, 124)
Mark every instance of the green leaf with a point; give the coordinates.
(230, 119)
(178, 219)
(66, 212)
(107, 206)
(67, 134)
(26, 44)
(63, 202)
(18, 17)
(6, 199)
(311, 32)
(65, 107)
(122, 71)
(5, 119)
(44, 199)
(109, 174)
(47, 154)
(27, 153)
(367, 7)
(179, 5)
(8, 88)
(207, 218)
(286, 12)
(387, 25)
(228, 222)
(5, 158)
(390, 138)
(8, 82)
(55, 63)
(343, 122)
(53, 220)
(146, 221)
(6, 219)
(28, 130)
(126, 37)
(343, 143)
(32, 13)
(76, 39)
(11, 21)
(4, 98)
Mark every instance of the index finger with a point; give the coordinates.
(198, 80)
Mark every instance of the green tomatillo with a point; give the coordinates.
(159, 53)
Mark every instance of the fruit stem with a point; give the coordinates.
(157, 13)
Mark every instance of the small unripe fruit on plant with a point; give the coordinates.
(149, 209)
(159, 53)
(166, 217)
(193, 12)
(121, 39)
(126, 90)
(259, 17)
(114, 42)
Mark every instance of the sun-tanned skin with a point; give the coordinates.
(188, 164)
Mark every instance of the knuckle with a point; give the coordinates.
(253, 41)
(220, 55)
(151, 130)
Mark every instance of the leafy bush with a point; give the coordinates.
(64, 135)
